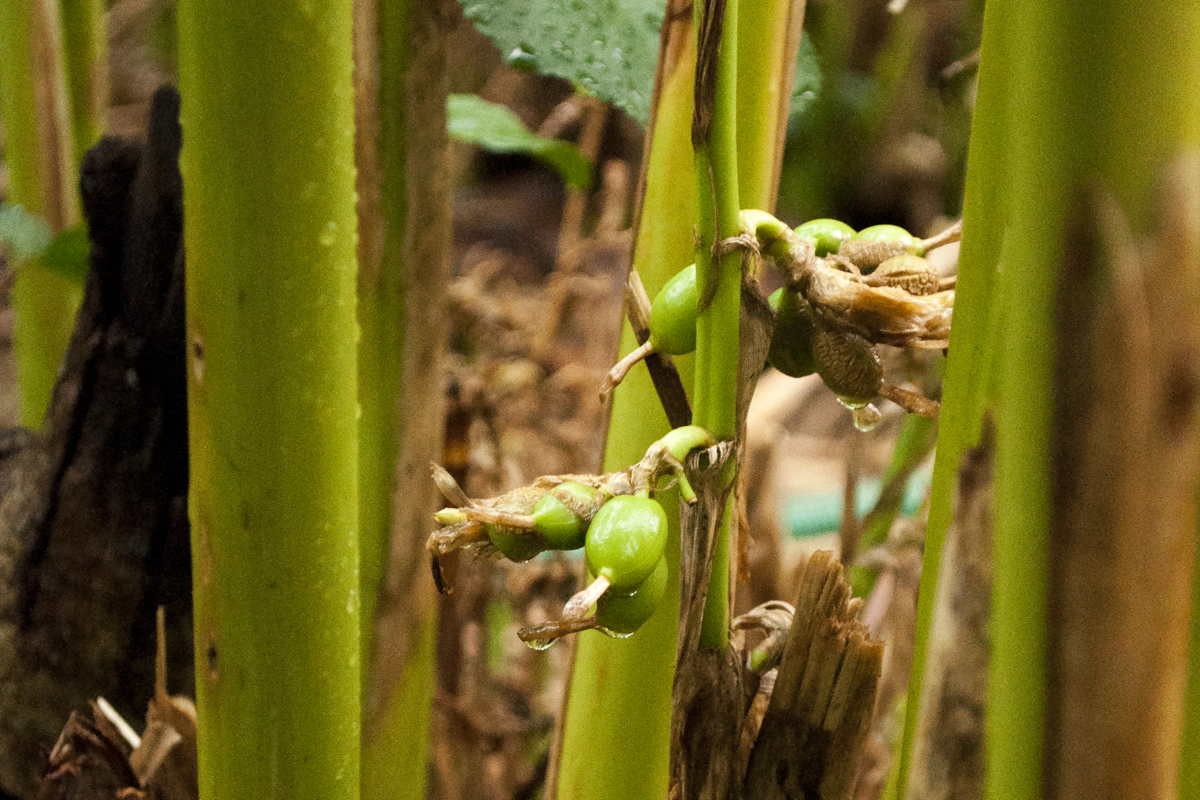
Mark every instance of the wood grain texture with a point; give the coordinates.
(814, 730)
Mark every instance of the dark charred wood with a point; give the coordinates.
(93, 525)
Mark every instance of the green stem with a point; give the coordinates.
(86, 47)
(1090, 73)
(718, 277)
(768, 39)
(404, 242)
(1052, 75)
(970, 368)
(913, 445)
(42, 178)
(620, 690)
(1189, 756)
(269, 195)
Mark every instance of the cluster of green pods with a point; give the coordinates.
(621, 528)
(624, 540)
(886, 255)
(625, 546)
(560, 521)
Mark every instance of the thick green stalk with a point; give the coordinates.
(380, 28)
(1054, 76)
(970, 367)
(268, 168)
(403, 271)
(719, 277)
(42, 178)
(768, 40)
(86, 48)
(1081, 73)
(620, 690)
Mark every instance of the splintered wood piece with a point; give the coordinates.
(812, 735)
(88, 762)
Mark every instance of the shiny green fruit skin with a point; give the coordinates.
(673, 314)
(625, 540)
(514, 543)
(791, 343)
(562, 515)
(888, 233)
(826, 234)
(625, 613)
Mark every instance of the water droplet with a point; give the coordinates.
(328, 234)
(522, 58)
(539, 644)
(866, 418)
(610, 633)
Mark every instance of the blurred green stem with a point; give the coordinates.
(404, 237)
(86, 47)
(35, 109)
(1070, 96)
(620, 690)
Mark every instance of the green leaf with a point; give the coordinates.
(493, 127)
(609, 47)
(67, 254)
(22, 234)
(27, 239)
(807, 81)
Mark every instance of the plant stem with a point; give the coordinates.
(969, 382)
(270, 203)
(42, 178)
(620, 690)
(404, 236)
(86, 48)
(1089, 73)
(719, 278)
(913, 445)
(1189, 756)
(1050, 77)
(767, 43)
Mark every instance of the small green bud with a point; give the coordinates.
(626, 539)
(562, 515)
(515, 544)
(673, 314)
(791, 343)
(624, 613)
(826, 234)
